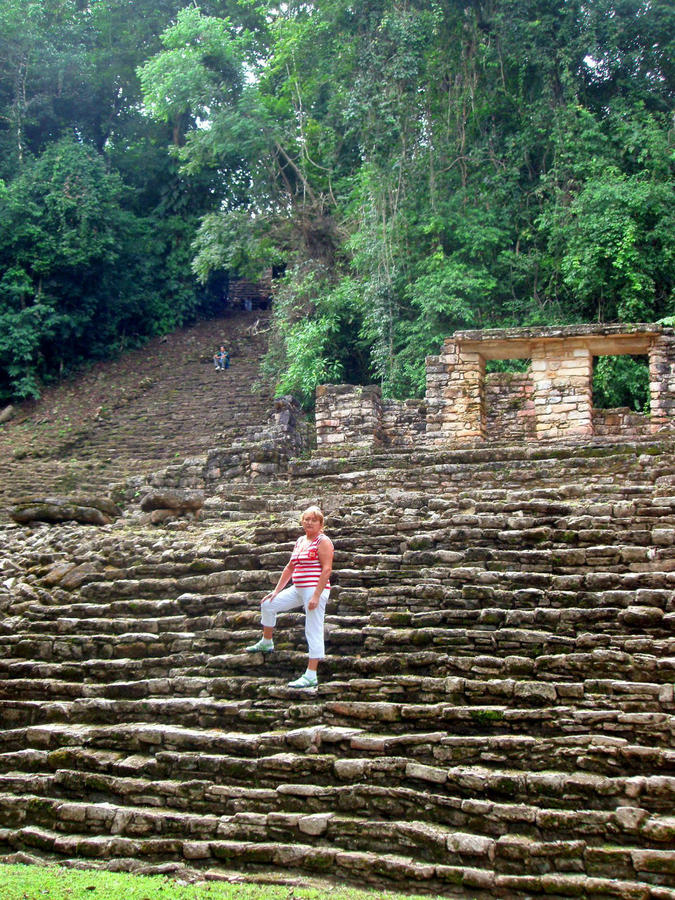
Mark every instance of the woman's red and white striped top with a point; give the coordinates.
(307, 569)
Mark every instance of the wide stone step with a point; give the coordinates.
(433, 564)
(648, 658)
(174, 587)
(619, 611)
(420, 627)
(527, 641)
(351, 865)
(27, 748)
(189, 712)
(154, 831)
(475, 586)
(484, 593)
(595, 694)
(290, 656)
(456, 531)
(596, 456)
(650, 728)
(441, 479)
(419, 506)
(186, 780)
(432, 626)
(147, 608)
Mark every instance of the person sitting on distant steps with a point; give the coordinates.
(309, 567)
(221, 359)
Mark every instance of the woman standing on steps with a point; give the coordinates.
(309, 568)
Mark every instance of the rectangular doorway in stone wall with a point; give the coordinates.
(509, 407)
(620, 395)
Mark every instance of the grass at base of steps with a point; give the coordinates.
(25, 882)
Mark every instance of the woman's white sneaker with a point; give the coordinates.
(305, 682)
(264, 645)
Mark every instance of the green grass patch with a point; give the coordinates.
(56, 883)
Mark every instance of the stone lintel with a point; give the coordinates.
(519, 343)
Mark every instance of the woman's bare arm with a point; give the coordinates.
(325, 553)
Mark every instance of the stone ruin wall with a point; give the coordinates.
(349, 414)
(662, 379)
(510, 412)
(621, 423)
(463, 405)
(346, 410)
(403, 422)
(509, 408)
(357, 415)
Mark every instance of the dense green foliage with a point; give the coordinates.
(422, 166)
(417, 166)
(96, 221)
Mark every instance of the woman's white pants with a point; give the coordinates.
(292, 598)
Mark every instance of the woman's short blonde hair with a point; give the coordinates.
(312, 511)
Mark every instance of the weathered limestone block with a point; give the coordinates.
(661, 830)
(630, 818)
(350, 769)
(83, 508)
(426, 773)
(641, 616)
(57, 572)
(196, 850)
(535, 692)
(179, 501)
(315, 824)
(661, 861)
(663, 537)
(77, 576)
(471, 845)
(164, 503)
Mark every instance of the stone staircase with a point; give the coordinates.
(153, 406)
(495, 717)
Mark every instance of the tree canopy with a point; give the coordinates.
(415, 166)
(96, 218)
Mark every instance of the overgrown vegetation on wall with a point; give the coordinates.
(417, 166)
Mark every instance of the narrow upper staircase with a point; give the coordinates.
(495, 717)
(153, 406)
